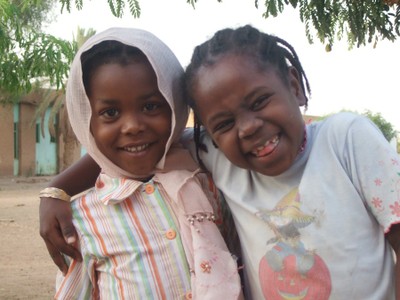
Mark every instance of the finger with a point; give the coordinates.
(69, 250)
(57, 258)
(57, 229)
(70, 245)
(55, 242)
(69, 233)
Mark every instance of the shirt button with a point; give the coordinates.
(170, 234)
(188, 296)
(149, 189)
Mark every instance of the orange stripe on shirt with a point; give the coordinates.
(148, 246)
(102, 244)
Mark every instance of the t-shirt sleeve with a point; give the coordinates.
(374, 167)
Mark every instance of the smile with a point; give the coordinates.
(136, 149)
(267, 148)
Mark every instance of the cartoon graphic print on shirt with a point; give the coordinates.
(288, 270)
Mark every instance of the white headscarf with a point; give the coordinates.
(168, 71)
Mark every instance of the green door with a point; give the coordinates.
(46, 149)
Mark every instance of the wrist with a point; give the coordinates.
(54, 193)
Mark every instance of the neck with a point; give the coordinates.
(146, 179)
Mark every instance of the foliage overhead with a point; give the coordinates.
(362, 22)
(55, 99)
(34, 12)
(27, 55)
(116, 6)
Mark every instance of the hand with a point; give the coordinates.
(58, 231)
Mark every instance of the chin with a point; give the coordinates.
(271, 171)
(138, 173)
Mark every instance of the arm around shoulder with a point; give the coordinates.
(56, 227)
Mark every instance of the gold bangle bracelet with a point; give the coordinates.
(56, 193)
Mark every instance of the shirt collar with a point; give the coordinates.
(113, 190)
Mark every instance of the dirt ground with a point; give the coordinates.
(26, 269)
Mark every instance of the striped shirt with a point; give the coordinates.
(131, 249)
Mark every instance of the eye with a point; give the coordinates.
(150, 107)
(259, 103)
(110, 113)
(223, 126)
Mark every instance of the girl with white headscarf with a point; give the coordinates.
(150, 235)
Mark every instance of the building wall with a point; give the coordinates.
(69, 152)
(27, 141)
(6, 140)
(27, 153)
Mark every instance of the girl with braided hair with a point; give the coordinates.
(317, 205)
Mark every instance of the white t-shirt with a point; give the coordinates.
(317, 230)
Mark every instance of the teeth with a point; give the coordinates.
(137, 148)
(271, 143)
(274, 140)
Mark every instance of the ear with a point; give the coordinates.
(295, 85)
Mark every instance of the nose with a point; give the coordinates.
(132, 124)
(248, 125)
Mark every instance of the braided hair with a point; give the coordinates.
(266, 50)
(107, 52)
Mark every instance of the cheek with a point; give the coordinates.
(165, 125)
(200, 108)
(298, 125)
(162, 128)
(227, 144)
(103, 135)
(95, 129)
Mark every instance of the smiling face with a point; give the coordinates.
(251, 114)
(131, 120)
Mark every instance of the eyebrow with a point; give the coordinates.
(108, 101)
(112, 101)
(217, 116)
(255, 91)
(246, 99)
(156, 93)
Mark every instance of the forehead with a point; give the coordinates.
(238, 58)
(115, 73)
(229, 69)
(134, 82)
